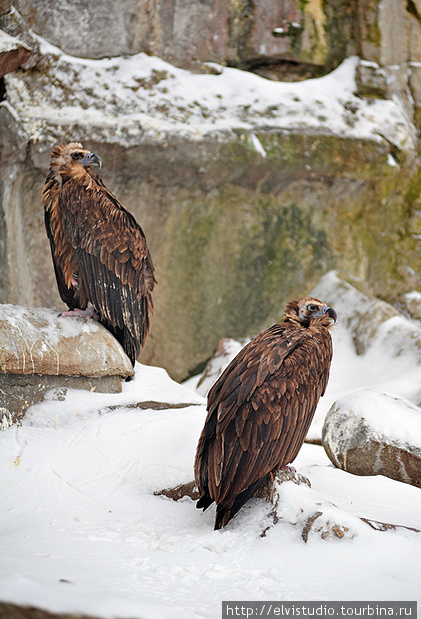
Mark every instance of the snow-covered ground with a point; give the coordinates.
(129, 99)
(83, 531)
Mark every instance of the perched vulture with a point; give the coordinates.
(260, 408)
(101, 260)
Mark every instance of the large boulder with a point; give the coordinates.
(368, 318)
(374, 433)
(40, 350)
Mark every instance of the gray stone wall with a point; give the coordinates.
(233, 234)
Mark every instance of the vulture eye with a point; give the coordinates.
(77, 156)
(312, 308)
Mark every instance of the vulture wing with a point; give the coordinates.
(259, 412)
(66, 294)
(115, 267)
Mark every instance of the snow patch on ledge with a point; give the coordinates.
(132, 99)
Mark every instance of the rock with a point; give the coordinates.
(179, 492)
(383, 31)
(389, 34)
(374, 433)
(41, 341)
(369, 318)
(16, 611)
(40, 351)
(244, 207)
(13, 53)
(299, 505)
(411, 303)
(281, 40)
(372, 80)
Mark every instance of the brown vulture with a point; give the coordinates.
(101, 260)
(261, 407)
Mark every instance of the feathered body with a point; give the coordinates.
(261, 407)
(99, 252)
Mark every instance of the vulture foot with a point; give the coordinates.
(88, 313)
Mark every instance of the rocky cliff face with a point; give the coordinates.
(247, 189)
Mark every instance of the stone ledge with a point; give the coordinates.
(40, 350)
(41, 341)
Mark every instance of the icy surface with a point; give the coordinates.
(129, 99)
(82, 530)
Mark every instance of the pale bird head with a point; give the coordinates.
(72, 159)
(310, 309)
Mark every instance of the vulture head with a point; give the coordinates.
(72, 160)
(307, 311)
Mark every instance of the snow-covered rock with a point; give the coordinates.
(374, 347)
(374, 433)
(41, 341)
(131, 100)
(13, 53)
(412, 304)
(361, 314)
(226, 351)
(40, 350)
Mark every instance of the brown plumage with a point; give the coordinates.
(261, 407)
(99, 252)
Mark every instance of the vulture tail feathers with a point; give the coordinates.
(129, 344)
(224, 513)
(204, 502)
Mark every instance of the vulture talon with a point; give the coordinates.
(88, 313)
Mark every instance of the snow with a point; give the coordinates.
(130, 99)
(9, 43)
(44, 323)
(390, 417)
(227, 350)
(83, 532)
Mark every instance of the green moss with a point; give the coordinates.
(248, 233)
(233, 262)
(370, 25)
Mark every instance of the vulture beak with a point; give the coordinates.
(92, 159)
(330, 312)
(327, 310)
